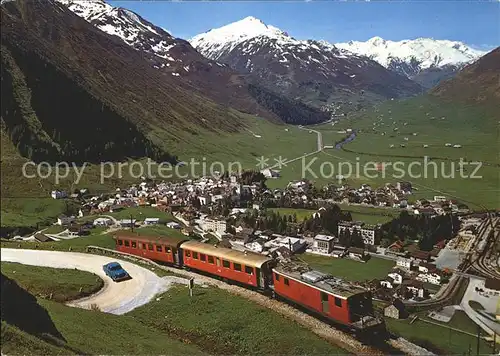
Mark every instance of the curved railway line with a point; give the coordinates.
(334, 334)
(477, 264)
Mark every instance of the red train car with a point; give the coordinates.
(243, 267)
(162, 249)
(333, 298)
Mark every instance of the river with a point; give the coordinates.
(348, 139)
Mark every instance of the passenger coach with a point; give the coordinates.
(162, 249)
(243, 267)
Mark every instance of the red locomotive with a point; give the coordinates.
(328, 296)
(337, 300)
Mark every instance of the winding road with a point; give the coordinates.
(115, 297)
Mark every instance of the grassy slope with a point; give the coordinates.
(76, 245)
(229, 325)
(447, 341)
(349, 269)
(64, 284)
(368, 215)
(26, 201)
(142, 212)
(476, 129)
(213, 321)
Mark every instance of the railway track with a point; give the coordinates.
(478, 264)
(325, 330)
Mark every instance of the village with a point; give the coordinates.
(237, 213)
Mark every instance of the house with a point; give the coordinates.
(269, 173)
(397, 278)
(440, 245)
(492, 286)
(396, 310)
(42, 237)
(64, 220)
(413, 289)
(291, 243)
(404, 263)
(368, 232)
(255, 246)
(395, 248)
(77, 230)
(103, 222)
(151, 221)
(426, 267)
(204, 200)
(217, 226)
(173, 225)
(404, 187)
(357, 253)
(57, 194)
(388, 283)
(432, 278)
(324, 243)
(419, 255)
(127, 222)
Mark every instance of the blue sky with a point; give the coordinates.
(476, 23)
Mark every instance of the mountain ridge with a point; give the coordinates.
(316, 72)
(425, 60)
(477, 83)
(176, 57)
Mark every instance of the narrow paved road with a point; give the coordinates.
(319, 149)
(114, 297)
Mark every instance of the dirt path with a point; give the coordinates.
(116, 298)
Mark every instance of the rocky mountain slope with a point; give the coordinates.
(71, 92)
(478, 82)
(316, 72)
(424, 60)
(176, 57)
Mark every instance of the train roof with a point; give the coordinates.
(245, 258)
(322, 281)
(169, 240)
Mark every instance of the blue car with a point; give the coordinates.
(115, 271)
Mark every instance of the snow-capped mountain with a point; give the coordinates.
(417, 59)
(142, 35)
(175, 57)
(315, 71)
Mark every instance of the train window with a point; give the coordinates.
(188, 253)
(277, 277)
(237, 267)
(168, 249)
(248, 270)
(159, 248)
(143, 246)
(203, 257)
(150, 247)
(134, 244)
(218, 261)
(226, 264)
(120, 242)
(195, 255)
(127, 243)
(211, 259)
(287, 281)
(338, 302)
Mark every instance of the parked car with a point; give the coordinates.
(115, 271)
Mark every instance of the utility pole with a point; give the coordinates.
(478, 339)
(494, 343)
(131, 223)
(191, 286)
